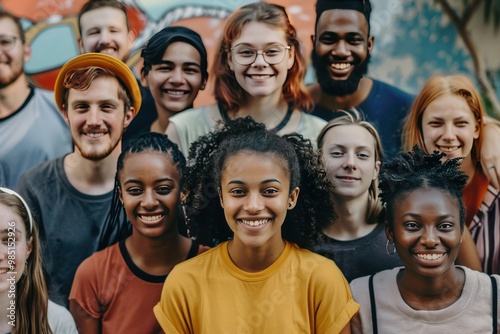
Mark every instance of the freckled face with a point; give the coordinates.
(449, 125)
(255, 194)
(259, 78)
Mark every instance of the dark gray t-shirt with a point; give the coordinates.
(359, 257)
(70, 223)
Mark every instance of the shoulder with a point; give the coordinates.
(310, 126)
(60, 320)
(42, 173)
(389, 90)
(188, 115)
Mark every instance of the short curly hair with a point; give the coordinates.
(302, 225)
(410, 171)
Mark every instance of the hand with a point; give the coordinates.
(490, 153)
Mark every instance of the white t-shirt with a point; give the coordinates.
(471, 313)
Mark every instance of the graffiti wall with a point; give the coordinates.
(413, 39)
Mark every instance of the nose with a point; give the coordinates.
(350, 161)
(429, 237)
(259, 59)
(176, 76)
(94, 116)
(149, 200)
(449, 132)
(341, 49)
(104, 37)
(253, 203)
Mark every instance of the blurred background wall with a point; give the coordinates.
(413, 39)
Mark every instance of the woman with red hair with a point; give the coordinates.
(258, 72)
(447, 116)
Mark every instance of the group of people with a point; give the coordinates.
(280, 208)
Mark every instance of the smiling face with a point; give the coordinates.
(255, 195)
(341, 50)
(97, 118)
(449, 125)
(349, 155)
(426, 231)
(13, 234)
(150, 190)
(104, 30)
(260, 79)
(12, 60)
(176, 81)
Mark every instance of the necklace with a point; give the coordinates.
(277, 128)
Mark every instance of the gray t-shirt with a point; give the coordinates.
(70, 223)
(359, 257)
(35, 133)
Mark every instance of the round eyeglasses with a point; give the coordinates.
(7, 42)
(246, 55)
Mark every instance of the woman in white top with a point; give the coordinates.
(23, 293)
(425, 225)
(258, 72)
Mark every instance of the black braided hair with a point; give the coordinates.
(302, 225)
(116, 225)
(415, 170)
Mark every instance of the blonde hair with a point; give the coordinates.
(354, 117)
(436, 87)
(31, 291)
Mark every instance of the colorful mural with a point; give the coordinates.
(413, 38)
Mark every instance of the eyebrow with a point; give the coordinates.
(441, 217)
(266, 45)
(263, 182)
(165, 179)
(364, 147)
(168, 62)
(112, 101)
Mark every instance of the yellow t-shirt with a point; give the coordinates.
(301, 292)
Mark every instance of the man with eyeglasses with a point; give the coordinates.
(31, 128)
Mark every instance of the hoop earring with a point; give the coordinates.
(387, 248)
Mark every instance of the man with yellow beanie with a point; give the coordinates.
(98, 96)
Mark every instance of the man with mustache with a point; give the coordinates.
(341, 54)
(31, 128)
(70, 196)
(104, 28)
(342, 47)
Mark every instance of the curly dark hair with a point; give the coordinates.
(207, 156)
(117, 226)
(415, 170)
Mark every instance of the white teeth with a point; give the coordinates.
(151, 218)
(260, 77)
(340, 66)
(449, 149)
(3, 271)
(175, 92)
(94, 135)
(430, 256)
(254, 223)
